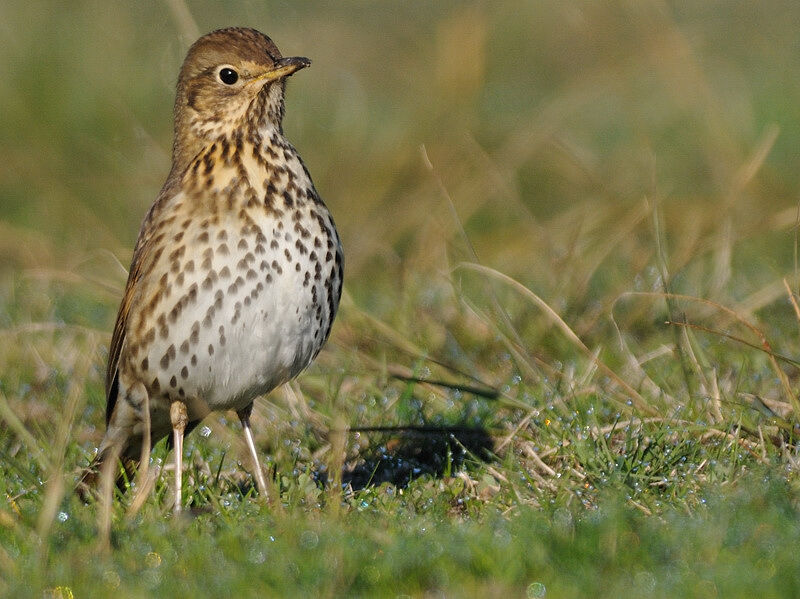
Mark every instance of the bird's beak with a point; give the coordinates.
(283, 68)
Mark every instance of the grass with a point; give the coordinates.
(566, 359)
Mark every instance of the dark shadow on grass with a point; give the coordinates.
(406, 453)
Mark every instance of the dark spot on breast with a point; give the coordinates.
(157, 253)
(175, 312)
(178, 253)
(208, 163)
(184, 373)
(298, 228)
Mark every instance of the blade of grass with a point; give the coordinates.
(637, 399)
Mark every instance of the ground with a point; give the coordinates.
(565, 363)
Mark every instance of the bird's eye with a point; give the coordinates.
(228, 76)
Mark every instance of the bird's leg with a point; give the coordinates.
(244, 416)
(177, 414)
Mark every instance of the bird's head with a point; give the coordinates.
(231, 80)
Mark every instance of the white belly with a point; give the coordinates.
(269, 337)
(244, 313)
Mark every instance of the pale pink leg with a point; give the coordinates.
(177, 414)
(244, 416)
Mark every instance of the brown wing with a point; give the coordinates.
(118, 338)
(140, 254)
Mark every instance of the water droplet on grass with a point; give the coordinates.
(152, 560)
(535, 590)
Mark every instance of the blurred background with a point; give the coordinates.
(585, 149)
(518, 184)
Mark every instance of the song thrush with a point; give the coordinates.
(237, 271)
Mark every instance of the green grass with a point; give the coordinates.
(566, 359)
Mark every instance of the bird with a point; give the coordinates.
(237, 271)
